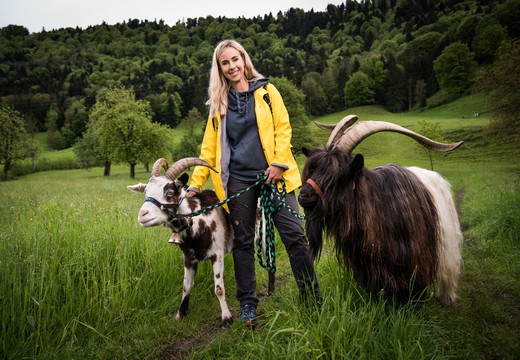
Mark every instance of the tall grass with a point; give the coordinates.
(494, 211)
(348, 325)
(76, 268)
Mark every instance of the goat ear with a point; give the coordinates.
(358, 163)
(306, 151)
(137, 188)
(184, 178)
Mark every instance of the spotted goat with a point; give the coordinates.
(208, 236)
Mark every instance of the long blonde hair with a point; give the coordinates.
(218, 85)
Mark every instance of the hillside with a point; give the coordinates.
(53, 77)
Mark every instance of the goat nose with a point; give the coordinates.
(142, 213)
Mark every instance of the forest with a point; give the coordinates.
(400, 54)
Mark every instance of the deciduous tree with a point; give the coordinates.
(123, 128)
(15, 142)
(455, 68)
(359, 90)
(502, 80)
(294, 101)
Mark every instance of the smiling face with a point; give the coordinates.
(231, 64)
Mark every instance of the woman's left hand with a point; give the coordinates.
(274, 174)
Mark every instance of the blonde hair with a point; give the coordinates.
(218, 85)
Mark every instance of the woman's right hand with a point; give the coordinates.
(190, 194)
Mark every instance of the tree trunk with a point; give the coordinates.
(132, 170)
(106, 172)
(7, 164)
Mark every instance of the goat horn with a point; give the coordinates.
(354, 135)
(337, 129)
(156, 169)
(180, 165)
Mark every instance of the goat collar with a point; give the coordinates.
(315, 187)
(168, 209)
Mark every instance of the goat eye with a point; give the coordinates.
(169, 194)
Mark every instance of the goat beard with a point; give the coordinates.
(314, 229)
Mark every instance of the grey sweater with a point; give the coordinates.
(247, 158)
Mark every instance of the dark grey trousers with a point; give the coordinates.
(243, 218)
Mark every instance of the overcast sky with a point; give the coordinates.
(36, 15)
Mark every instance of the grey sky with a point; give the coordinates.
(53, 14)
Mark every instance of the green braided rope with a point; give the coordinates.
(267, 208)
(266, 233)
(222, 202)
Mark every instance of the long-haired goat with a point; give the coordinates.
(206, 236)
(396, 227)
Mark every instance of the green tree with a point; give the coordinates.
(359, 90)
(189, 145)
(294, 100)
(314, 93)
(420, 93)
(122, 125)
(15, 142)
(88, 152)
(455, 69)
(171, 109)
(395, 89)
(502, 80)
(487, 41)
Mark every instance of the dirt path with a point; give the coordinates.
(181, 348)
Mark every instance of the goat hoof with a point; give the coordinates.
(179, 315)
(226, 322)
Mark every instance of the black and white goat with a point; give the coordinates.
(204, 237)
(396, 227)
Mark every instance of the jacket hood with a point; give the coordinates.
(238, 101)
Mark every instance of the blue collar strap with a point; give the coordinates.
(168, 209)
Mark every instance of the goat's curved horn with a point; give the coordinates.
(180, 165)
(156, 169)
(353, 136)
(337, 129)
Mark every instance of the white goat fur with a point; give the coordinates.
(449, 250)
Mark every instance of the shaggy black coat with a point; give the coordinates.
(383, 221)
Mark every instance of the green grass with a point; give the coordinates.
(80, 279)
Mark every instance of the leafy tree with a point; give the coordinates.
(455, 68)
(294, 101)
(171, 109)
(395, 86)
(314, 93)
(502, 80)
(88, 152)
(359, 90)
(122, 126)
(189, 145)
(417, 57)
(76, 118)
(14, 140)
(487, 41)
(420, 93)
(375, 69)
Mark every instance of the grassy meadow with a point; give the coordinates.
(80, 279)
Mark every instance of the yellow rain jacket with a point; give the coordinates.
(275, 134)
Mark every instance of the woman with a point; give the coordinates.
(248, 133)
